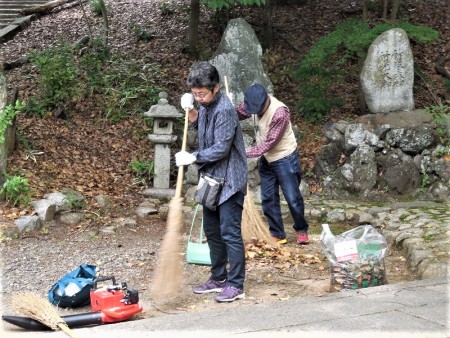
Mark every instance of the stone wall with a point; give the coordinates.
(396, 155)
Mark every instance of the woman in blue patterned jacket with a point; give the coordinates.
(221, 153)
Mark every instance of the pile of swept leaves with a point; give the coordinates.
(280, 257)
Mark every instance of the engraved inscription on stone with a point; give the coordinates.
(387, 76)
(391, 68)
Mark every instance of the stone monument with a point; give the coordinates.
(239, 58)
(164, 115)
(394, 150)
(387, 76)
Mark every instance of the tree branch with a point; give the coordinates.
(440, 66)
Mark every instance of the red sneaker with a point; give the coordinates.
(302, 238)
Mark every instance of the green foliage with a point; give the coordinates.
(75, 201)
(91, 64)
(426, 181)
(143, 170)
(309, 173)
(24, 140)
(7, 117)
(122, 86)
(140, 33)
(225, 4)
(58, 81)
(96, 7)
(165, 8)
(441, 115)
(447, 84)
(130, 87)
(441, 151)
(428, 238)
(35, 107)
(322, 67)
(16, 190)
(421, 34)
(125, 86)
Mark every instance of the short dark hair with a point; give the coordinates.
(203, 74)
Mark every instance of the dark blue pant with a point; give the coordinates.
(223, 233)
(286, 174)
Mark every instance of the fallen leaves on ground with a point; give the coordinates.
(280, 257)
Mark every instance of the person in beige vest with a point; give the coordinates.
(278, 163)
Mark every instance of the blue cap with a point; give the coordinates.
(254, 98)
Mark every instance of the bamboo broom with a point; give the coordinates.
(253, 225)
(169, 272)
(37, 308)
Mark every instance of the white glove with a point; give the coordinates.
(184, 158)
(187, 101)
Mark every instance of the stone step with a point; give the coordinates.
(8, 16)
(22, 3)
(11, 6)
(10, 9)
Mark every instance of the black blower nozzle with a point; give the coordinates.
(78, 320)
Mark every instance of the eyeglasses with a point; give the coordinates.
(201, 95)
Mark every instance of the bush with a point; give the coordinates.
(123, 86)
(441, 115)
(16, 190)
(143, 170)
(58, 80)
(7, 117)
(96, 7)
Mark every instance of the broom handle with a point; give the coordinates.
(66, 330)
(180, 177)
(226, 84)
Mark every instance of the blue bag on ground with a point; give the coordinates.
(73, 289)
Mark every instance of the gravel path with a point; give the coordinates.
(417, 233)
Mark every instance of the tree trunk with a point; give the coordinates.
(394, 11)
(385, 9)
(105, 23)
(267, 42)
(86, 19)
(364, 10)
(440, 65)
(44, 7)
(193, 27)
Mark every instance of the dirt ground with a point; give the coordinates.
(74, 154)
(129, 253)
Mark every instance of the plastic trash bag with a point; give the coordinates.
(356, 257)
(361, 244)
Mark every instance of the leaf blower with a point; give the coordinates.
(110, 304)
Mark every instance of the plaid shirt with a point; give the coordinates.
(277, 127)
(221, 145)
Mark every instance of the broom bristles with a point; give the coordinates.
(169, 272)
(37, 308)
(253, 225)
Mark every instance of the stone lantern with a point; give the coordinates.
(164, 115)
